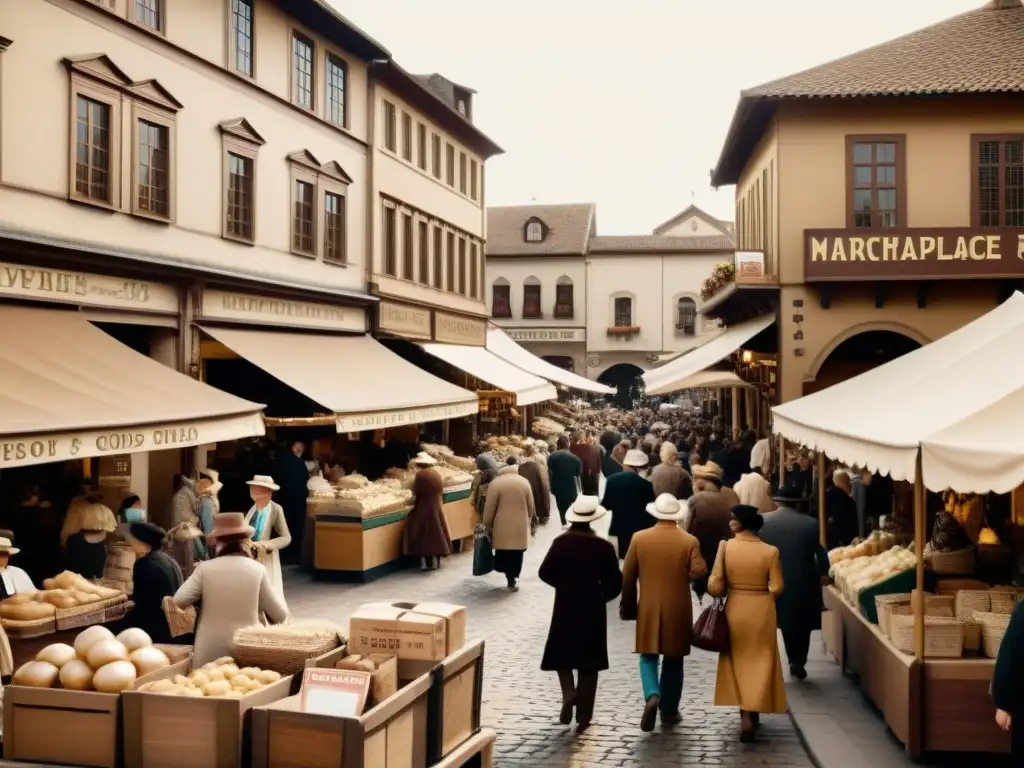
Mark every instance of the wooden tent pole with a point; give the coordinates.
(782, 462)
(919, 534)
(822, 516)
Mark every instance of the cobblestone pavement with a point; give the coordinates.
(521, 703)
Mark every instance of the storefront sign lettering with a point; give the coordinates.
(546, 334)
(453, 329)
(403, 320)
(225, 305)
(912, 254)
(77, 287)
(363, 422)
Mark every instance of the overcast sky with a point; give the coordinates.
(625, 108)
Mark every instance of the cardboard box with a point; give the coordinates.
(411, 631)
(384, 679)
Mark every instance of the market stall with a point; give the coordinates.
(944, 418)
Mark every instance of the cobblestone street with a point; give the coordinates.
(521, 703)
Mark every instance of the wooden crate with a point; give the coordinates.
(455, 700)
(478, 752)
(173, 731)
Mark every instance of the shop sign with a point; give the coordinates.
(403, 320)
(749, 266)
(363, 422)
(241, 307)
(43, 284)
(457, 329)
(912, 254)
(546, 334)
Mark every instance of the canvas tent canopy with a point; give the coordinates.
(501, 345)
(486, 366)
(959, 400)
(713, 380)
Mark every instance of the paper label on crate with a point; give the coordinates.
(335, 692)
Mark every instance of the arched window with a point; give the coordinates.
(501, 298)
(686, 316)
(564, 309)
(623, 311)
(531, 298)
(534, 231)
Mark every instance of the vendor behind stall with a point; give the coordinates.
(12, 579)
(87, 542)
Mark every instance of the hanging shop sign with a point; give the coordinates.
(60, 285)
(247, 308)
(363, 422)
(546, 334)
(458, 329)
(912, 254)
(404, 320)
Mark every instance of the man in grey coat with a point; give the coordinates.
(804, 571)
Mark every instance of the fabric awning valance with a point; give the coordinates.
(501, 345)
(960, 400)
(70, 391)
(667, 378)
(365, 384)
(486, 366)
(713, 380)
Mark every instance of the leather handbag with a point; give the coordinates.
(711, 630)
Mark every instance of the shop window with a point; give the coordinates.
(623, 312)
(474, 271)
(449, 256)
(686, 316)
(241, 144)
(303, 56)
(531, 298)
(242, 48)
(877, 182)
(564, 309)
(407, 247)
(501, 298)
(388, 244)
(424, 246)
(438, 260)
(998, 181)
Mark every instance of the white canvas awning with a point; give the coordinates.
(362, 382)
(70, 391)
(960, 400)
(667, 378)
(713, 380)
(485, 365)
(501, 345)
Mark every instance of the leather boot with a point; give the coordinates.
(746, 727)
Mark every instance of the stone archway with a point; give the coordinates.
(857, 351)
(628, 382)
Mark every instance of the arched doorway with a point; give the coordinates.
(629, 386)
(562, 361)
(858, 354)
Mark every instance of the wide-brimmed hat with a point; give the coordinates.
(586, 509)
(708, 471)
(667, 507)
(264, 481)
(790, 493)
(635, 458)
(6, 547)
(425, 459)
(148, 533)
(231, 524)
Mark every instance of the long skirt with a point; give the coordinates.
(509, 562)
(750, 674)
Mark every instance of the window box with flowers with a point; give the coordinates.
(624, 330)
(721, 276)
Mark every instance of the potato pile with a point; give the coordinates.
(66, 590)
(360, 662)
(98, 661)
(220, 679)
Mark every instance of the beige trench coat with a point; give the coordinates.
(276, 537)
(509, 510)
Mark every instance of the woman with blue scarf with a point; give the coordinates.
(271, 534)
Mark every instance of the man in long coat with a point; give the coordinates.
(626, 495)
(564, 472)
(804, 567)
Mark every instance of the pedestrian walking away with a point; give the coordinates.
(426, 534)
(660, 564)
(709, 517)
(583, 569)
(564, 472)
(586, 449)
(508, 515)
(626, 496)
(536, 475)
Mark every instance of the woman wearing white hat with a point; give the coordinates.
(267, 519)
(583, 569)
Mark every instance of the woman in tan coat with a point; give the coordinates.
(661, 561)
(748, 571)
(509, 512)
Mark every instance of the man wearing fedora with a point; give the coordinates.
(270, 528)
(626, 495)
(804, 570)
(710, 513)
(660, 564)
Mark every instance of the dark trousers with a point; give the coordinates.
(798, 642)
(585, 691)
(509, 562)
(563, 507)
(590, 484)
(669, 687)
(624, 540)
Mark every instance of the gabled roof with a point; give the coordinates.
(660, 244)
(321, 16)
(977, 52)
(568, 229)
(692, 210)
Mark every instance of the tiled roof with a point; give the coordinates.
(569, 227)
(660, 244)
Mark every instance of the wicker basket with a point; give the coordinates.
(23, 630)
(969, 601)
(952, 586)
(960, 562)
(943, 637)
(887, 604)
(993, 627)
(1002, 601)
(91, 613)
(941, 606)
(180, 621)
(285, 648)
(972, 636)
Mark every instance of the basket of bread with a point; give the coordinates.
(67, 601)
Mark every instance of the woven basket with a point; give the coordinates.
(91, 613)
(181, 621)
(285, 648)
(23, 630)
(1002, 601)
(993, 627)
(968, 601)
(972, 636)
(952, 586)
(943, 637)
(941, 606)
(886, 604)
(960, 562)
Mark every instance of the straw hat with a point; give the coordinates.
(586, 509)
(705, 471)
(424, 459)
(228, 524)
(635, 458)
(6, 548)
(264, 481)
(667, 507)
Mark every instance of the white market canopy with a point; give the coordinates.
(672, 376)
(70, 391)
(502, 346)
(713, 380)
(960, 400)
(363, 383)
(485, 365)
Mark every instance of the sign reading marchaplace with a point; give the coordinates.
(20, 451)
(227, 305)
(40, 284)
(362, 422)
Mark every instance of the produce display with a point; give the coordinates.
(547, 428)
(221, 679)
(98, 661)
(64, 591)
(868, 563)
(447, 457)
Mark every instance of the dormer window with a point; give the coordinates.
(535, 231)
(461, 106)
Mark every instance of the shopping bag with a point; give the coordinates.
(483, 554)
(181, 621)
(711, 630)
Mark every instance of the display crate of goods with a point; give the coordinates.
(966, 602)
(286, 647)
(477, 752)
(458, 682)
(383, 670)
(1002, 600)
(74, 691)
(993, 627)
(946, 586)
(68, 601)
(184, 716)
(943, 636)
(412, 631)
(886, 605)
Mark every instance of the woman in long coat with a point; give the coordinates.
(750, 674)
(531, 470)
(426, 529)
(583, 569)
(271, 528)
(155, 576)
(509, 514)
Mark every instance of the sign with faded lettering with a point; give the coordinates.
(458, 329)
(246, 308)
(545, 334)
(404, 320)
(44, 284)
(912, 254)
(363, 422)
